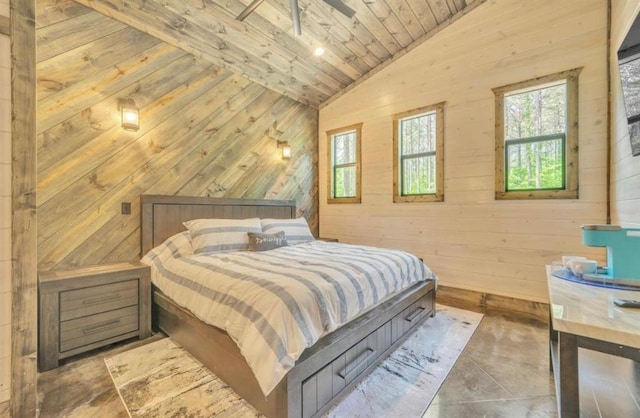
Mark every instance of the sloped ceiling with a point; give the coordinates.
(264, 49)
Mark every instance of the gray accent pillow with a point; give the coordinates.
(264, 242)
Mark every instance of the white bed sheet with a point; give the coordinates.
(276, 303)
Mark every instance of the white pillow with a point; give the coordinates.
(296, 230)
(221, 235)
(178, 245)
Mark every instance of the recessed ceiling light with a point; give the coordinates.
(319, 51)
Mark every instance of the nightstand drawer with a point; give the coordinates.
(90, 329)
(92, 300)
(86, 308)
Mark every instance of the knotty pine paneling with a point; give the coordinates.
(470, 240)
(204, 132)
(5, 215)
(625, 168)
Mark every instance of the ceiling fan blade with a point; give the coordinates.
(341, 7)
(250, 8)
(295, 16)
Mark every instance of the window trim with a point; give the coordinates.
(331, 167)
(438, 196)
(571, 140)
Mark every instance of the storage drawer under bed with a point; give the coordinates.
(319, 389)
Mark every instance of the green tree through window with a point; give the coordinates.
(418, 154)
(344, 164)
(536, 152)
(535, 126)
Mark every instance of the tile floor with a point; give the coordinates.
(503, 372)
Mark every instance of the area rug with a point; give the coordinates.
(161, 379)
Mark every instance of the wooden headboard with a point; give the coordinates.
(162, 216)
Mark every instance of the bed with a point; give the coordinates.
(325, 371)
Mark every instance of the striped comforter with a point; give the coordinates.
(276, 303)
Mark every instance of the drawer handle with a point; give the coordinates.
(351, 367)
(414, 314)
(101, 327)
(102, 299)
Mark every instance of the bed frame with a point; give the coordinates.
(326, 371)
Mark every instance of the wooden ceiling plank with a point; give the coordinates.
(460, 4)
(410, 47)
(383, 12)
(252, 42)
(321, 37)
(424, 14)
(452, 7)
(366, 18)
(281, 36)
(440, 10)
(78, 64)
(404, 13)
(53, 11)
(338, 26)
(62, 36)
(231, 55)
(168, 27)
(283, 22)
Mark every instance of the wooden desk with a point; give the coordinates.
(585, 316)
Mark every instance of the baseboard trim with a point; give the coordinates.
(483, 302)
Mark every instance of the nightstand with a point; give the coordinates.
(90, 307)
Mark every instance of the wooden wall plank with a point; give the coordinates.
(52, 11)
(65, 35)
(5, 223)
(471, 240)
(23, 210)
(69, 101)
(88, 59)
(169, 26)
(198, 123)
(71, 139)
(402, 51)
(83, 155)
(4, 25)
(625, 169)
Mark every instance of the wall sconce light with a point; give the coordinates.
(286, 149)
(130, 115)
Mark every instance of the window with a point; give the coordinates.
(418, 155)
(537, 138)
(344, 164)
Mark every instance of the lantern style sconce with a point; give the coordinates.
(286, 149)
(130, 115)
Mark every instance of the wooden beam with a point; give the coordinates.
(225, 44)
(24, 323)
(4, 25)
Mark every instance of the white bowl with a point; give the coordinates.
(567, 258)
(580, 267)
